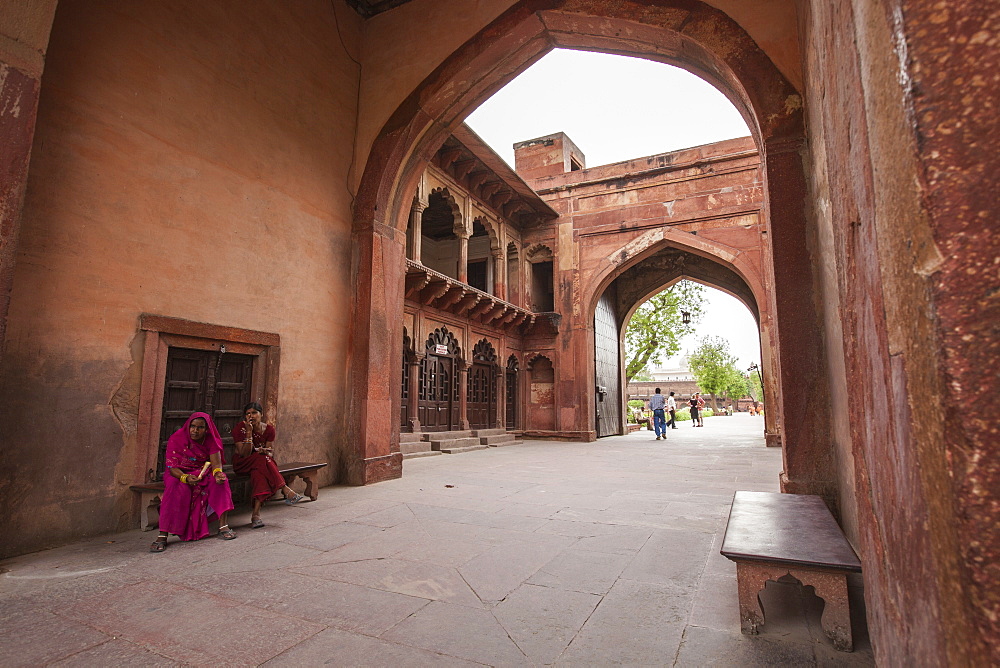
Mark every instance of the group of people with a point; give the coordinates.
(195, 488)
(661, 405)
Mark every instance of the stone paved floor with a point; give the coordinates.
(543, 553)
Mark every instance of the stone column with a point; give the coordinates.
(416, 220)
(804, 416)
(499, 273)
(376, 328)
(463, 257)
(21, 62)
(463, 388)
(413, 389)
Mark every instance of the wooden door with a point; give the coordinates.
(607, 368)
(437, 405)
(206, 381)
(511, 392)
(481, 399)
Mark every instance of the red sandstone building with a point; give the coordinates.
(181, 178)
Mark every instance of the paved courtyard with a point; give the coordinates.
(543, 553)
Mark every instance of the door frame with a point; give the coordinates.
(163, 332)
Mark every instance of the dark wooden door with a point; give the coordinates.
(607, 367)
(438, 407)
(481, 400)
(206, 381)
(481, 395)
(511, 391)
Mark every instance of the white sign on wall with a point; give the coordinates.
(440, 349)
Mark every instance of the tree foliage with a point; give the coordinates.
(755, 389)
(656, 328)
(714, 368)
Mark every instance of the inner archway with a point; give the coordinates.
(693, 36)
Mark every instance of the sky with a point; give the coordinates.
(617, 108)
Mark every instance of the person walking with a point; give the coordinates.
(701, 409)
(657, 404)
(672, 409)
(693, 403)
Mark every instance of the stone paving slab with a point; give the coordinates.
(548, 553)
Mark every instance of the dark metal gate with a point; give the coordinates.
(481, 399)
(437, 407)
(607, 368)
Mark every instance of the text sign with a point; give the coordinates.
(440, 349)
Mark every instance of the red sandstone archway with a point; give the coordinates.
(685, 33)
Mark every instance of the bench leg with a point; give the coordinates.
(750, 579)
(309, 478)
(836, 620)
(149, 510)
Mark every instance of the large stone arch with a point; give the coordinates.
(675, 256)
(685, 33)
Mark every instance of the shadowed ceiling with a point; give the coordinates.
(369, 8)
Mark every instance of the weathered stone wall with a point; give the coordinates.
(189, 161)
(899, 154)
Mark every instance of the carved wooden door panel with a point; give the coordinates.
(607, 367)
(511, 392)
(404, 395)
(481, 399)
(206, 381)
(438, 407)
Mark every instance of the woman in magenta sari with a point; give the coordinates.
(194, 486)
(255, 456)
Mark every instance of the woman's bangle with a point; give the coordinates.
(216, 470)
(184, 478)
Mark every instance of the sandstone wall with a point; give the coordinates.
(190, 160)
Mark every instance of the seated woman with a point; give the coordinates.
(191, 495)
(255, 456)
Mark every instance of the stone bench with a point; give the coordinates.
(771, 535)
(150, 492)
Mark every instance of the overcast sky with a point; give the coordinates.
(616, 108)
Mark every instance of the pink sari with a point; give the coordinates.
(186, 509)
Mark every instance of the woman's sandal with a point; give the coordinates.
(159, 545)
(225, 533)
(256, 523)
(295, 499)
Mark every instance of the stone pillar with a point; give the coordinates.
(463, 388)
(416, 220)
(499, 273)
(376, 328)
(805, 397)
(21, 62)
(463, 257)
(413, 390)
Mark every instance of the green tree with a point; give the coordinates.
(656, 328)
(714, 367)
(737, 385)
(755, 390)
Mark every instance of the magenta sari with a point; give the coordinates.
(186, 509)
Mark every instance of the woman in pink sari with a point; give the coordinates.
(194, 486)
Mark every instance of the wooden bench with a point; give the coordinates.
(771, 535)
(150, 492)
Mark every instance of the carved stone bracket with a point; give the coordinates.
(432, 288)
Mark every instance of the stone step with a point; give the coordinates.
(455, 451)
(414, 455)
(447, 443)
(410, 437)
(496, 439)
(445, 435)
(414, 446)
(505, 443)
(489, 432)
